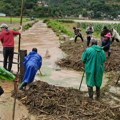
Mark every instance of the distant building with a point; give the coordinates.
(80, 16)
(119, 17)
(42, 3)
(46, 5)
(2, 14)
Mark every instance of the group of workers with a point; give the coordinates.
(32, 62)
(94, 56)
(107, 37)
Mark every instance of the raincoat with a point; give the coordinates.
(94, 58)
(6, 75)
(115, 34)
(32, 63)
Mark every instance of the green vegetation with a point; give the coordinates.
(13, 7)
(86, 8)
(58, 27)
(13, 19)
(61, 26)
(98, 26)
(108, 9)
(27, 26)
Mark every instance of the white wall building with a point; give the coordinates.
(2, 14)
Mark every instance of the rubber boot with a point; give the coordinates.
(75, 39)
(117, 40)
(23, 84)
(90, 92)
(109, 53)
(97, 93)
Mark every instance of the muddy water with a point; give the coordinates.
(48, 46)
(47, 42)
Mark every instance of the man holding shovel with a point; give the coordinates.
(94, 58)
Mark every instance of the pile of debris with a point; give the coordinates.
(75, 50)
(58, 103)
(113, 63)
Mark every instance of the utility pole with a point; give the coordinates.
(21, 15)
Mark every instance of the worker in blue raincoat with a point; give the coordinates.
(32, 63)
(94, 58)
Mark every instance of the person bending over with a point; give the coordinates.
(77, 34)
(32, 63)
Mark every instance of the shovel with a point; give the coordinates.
(82, 79)
(40, 72)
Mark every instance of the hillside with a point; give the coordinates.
(87, 8)
(63, 8)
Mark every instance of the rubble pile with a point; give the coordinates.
(58, 103)
(74, 52)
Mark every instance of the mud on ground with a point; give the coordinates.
(74, 52)
(50, 102)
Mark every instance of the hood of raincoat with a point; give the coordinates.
(97, 48)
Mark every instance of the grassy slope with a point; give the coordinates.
(14, 19)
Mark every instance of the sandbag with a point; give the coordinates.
(6, 75)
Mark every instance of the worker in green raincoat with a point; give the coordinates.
(94, 58)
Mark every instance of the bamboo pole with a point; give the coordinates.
(15, 97)
(21, 15)
(19, 42)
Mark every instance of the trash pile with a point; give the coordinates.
(74, 52)
(51, 102)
